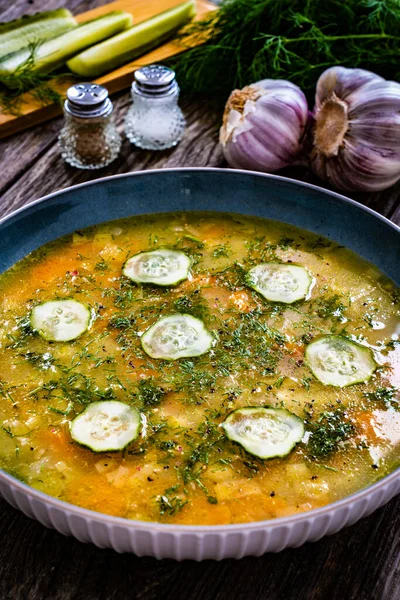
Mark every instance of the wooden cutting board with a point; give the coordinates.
(32, 112)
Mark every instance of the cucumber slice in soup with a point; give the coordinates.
(177, 336)
(279, 282)
(335, 360)
(264, 432)
(162, 267)
(60, 320)
(106, 426)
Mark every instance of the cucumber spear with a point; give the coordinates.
(29, 29)
(52, 54)
(132, 43)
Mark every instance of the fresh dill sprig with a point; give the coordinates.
(248, 40)
(150, 393)
(25, 78)
(169, 504)
(329, 432)
(387, 395)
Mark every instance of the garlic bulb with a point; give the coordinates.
(357, 130)
(263, 125)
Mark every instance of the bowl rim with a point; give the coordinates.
(107, 519)
(141, 173)
(176, 528)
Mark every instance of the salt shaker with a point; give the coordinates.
(155, 121)
(89, 138)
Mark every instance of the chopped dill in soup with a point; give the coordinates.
(198, 368)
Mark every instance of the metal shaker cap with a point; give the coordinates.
(155, 81)
(88, 100)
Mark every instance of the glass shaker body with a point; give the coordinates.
(89, 138)
(155, 121)
(89, 143)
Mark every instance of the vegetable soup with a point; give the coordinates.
(198, 368)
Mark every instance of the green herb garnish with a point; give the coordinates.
(149, 393)
(330, 308)
(38, 360)
(192, 304)
(221, 250)
(249, 40)
(331, 429)
(169, 504)
(387, 395)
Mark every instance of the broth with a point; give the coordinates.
(182, 468)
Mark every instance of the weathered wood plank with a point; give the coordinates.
(38, 149)
(19, 153)
(396, 214)
(358, 563)
(49, 172)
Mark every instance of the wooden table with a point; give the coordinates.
(360, 562)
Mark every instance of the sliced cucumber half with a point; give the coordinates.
(177, 336)
(123, 48)
(264, 432)
(161, 267)
(279, 282)
(53, 53)
(106, 426)
(336, 360)
(60, 320)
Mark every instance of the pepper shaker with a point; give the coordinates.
(89, 138)
(155, 121)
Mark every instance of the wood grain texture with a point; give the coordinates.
(32, 112)
(358, 563)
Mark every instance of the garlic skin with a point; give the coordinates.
(356, 134)
(263, 125)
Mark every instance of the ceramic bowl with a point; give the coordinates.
(360, 229)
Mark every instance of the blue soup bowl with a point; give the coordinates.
(325, 213)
